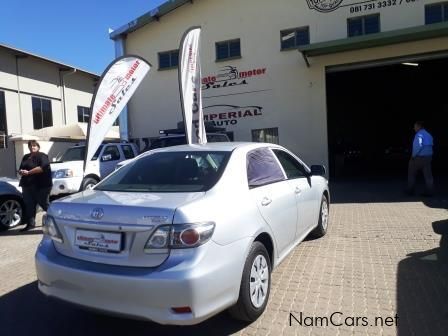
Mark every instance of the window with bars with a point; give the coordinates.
(168, 59)
(363, 25)
(292, 38)
(83, 114)
(3, 125)
(228, 50)
(435, 13)
(265, 135)
(3, 142)
(42, 113)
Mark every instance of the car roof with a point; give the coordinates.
(105, 143)
(182, 135)
(216, 146)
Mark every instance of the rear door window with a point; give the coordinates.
(263, 168)
(127, 151)
(111, 153)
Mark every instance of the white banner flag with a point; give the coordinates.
(117, 85)
(190, 86)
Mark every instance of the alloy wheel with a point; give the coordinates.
(324, 214)
(10, 213)
(259, 281)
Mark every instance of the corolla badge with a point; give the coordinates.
(324, 5)
(97, 213)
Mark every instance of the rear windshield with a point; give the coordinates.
(168, 172)
(78, 154)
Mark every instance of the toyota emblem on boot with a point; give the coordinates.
(97, 213)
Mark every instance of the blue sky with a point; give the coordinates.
(74, 32)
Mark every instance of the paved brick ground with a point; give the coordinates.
(380, 259)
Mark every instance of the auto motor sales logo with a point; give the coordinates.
(191, 59)
(119, 87)
(324, 5)
(230, 76)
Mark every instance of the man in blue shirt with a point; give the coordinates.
(421, 159)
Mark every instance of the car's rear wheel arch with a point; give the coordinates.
(327, 195)
(266, 240)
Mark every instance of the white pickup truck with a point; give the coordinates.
(68, 175)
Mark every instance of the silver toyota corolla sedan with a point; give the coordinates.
(184, 232)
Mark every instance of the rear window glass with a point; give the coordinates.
(168, 172)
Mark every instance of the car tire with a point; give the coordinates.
(255, 285)
(88, 183)
(11, 213)
(322, 225)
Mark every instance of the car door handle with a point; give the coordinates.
(266, 201)
(298, 190)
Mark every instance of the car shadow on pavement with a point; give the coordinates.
(422, 289)
(26, 311)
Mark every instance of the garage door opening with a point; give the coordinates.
(371, 112)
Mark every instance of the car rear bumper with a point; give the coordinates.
(207, 280)
(65, 185)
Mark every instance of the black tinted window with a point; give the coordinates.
(127, 151)
(228, 49)
(74, 154)
(169, 172)
(78, 154)
(291, 166)
(262, 168)
(42, 113)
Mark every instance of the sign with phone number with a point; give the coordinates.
(375, 4)
(356, 6)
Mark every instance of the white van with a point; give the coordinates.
(67, 173)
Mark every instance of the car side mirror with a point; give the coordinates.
(318, 170)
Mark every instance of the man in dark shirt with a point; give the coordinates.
(36, 182)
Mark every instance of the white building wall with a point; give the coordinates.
(290, 95)
(13, 117)
(79, 90)
(39, 78)
(8, 78)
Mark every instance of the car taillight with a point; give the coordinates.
(50, 228)
(189, 237)
(159, 239)
(180, 236)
